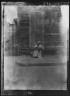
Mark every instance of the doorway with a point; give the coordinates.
(36, 29)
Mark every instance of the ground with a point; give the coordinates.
(47, 73)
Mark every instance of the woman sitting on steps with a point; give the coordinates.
(38, 48)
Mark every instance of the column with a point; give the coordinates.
(43, 29)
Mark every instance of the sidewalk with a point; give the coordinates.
(27, 76)
(48, 60)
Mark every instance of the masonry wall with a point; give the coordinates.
(43, 26)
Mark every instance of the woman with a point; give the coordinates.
(38, 48)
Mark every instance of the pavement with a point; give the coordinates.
(26, 73)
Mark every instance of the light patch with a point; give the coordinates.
(10, 13)
(64, 26)
(65, 17)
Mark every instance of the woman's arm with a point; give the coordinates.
(35, 46)
(41, 47)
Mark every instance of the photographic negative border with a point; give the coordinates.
(26, 92)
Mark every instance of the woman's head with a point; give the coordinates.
(38, 42)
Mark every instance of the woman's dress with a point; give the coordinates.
(38, 51)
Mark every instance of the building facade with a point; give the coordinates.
(38, 24)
